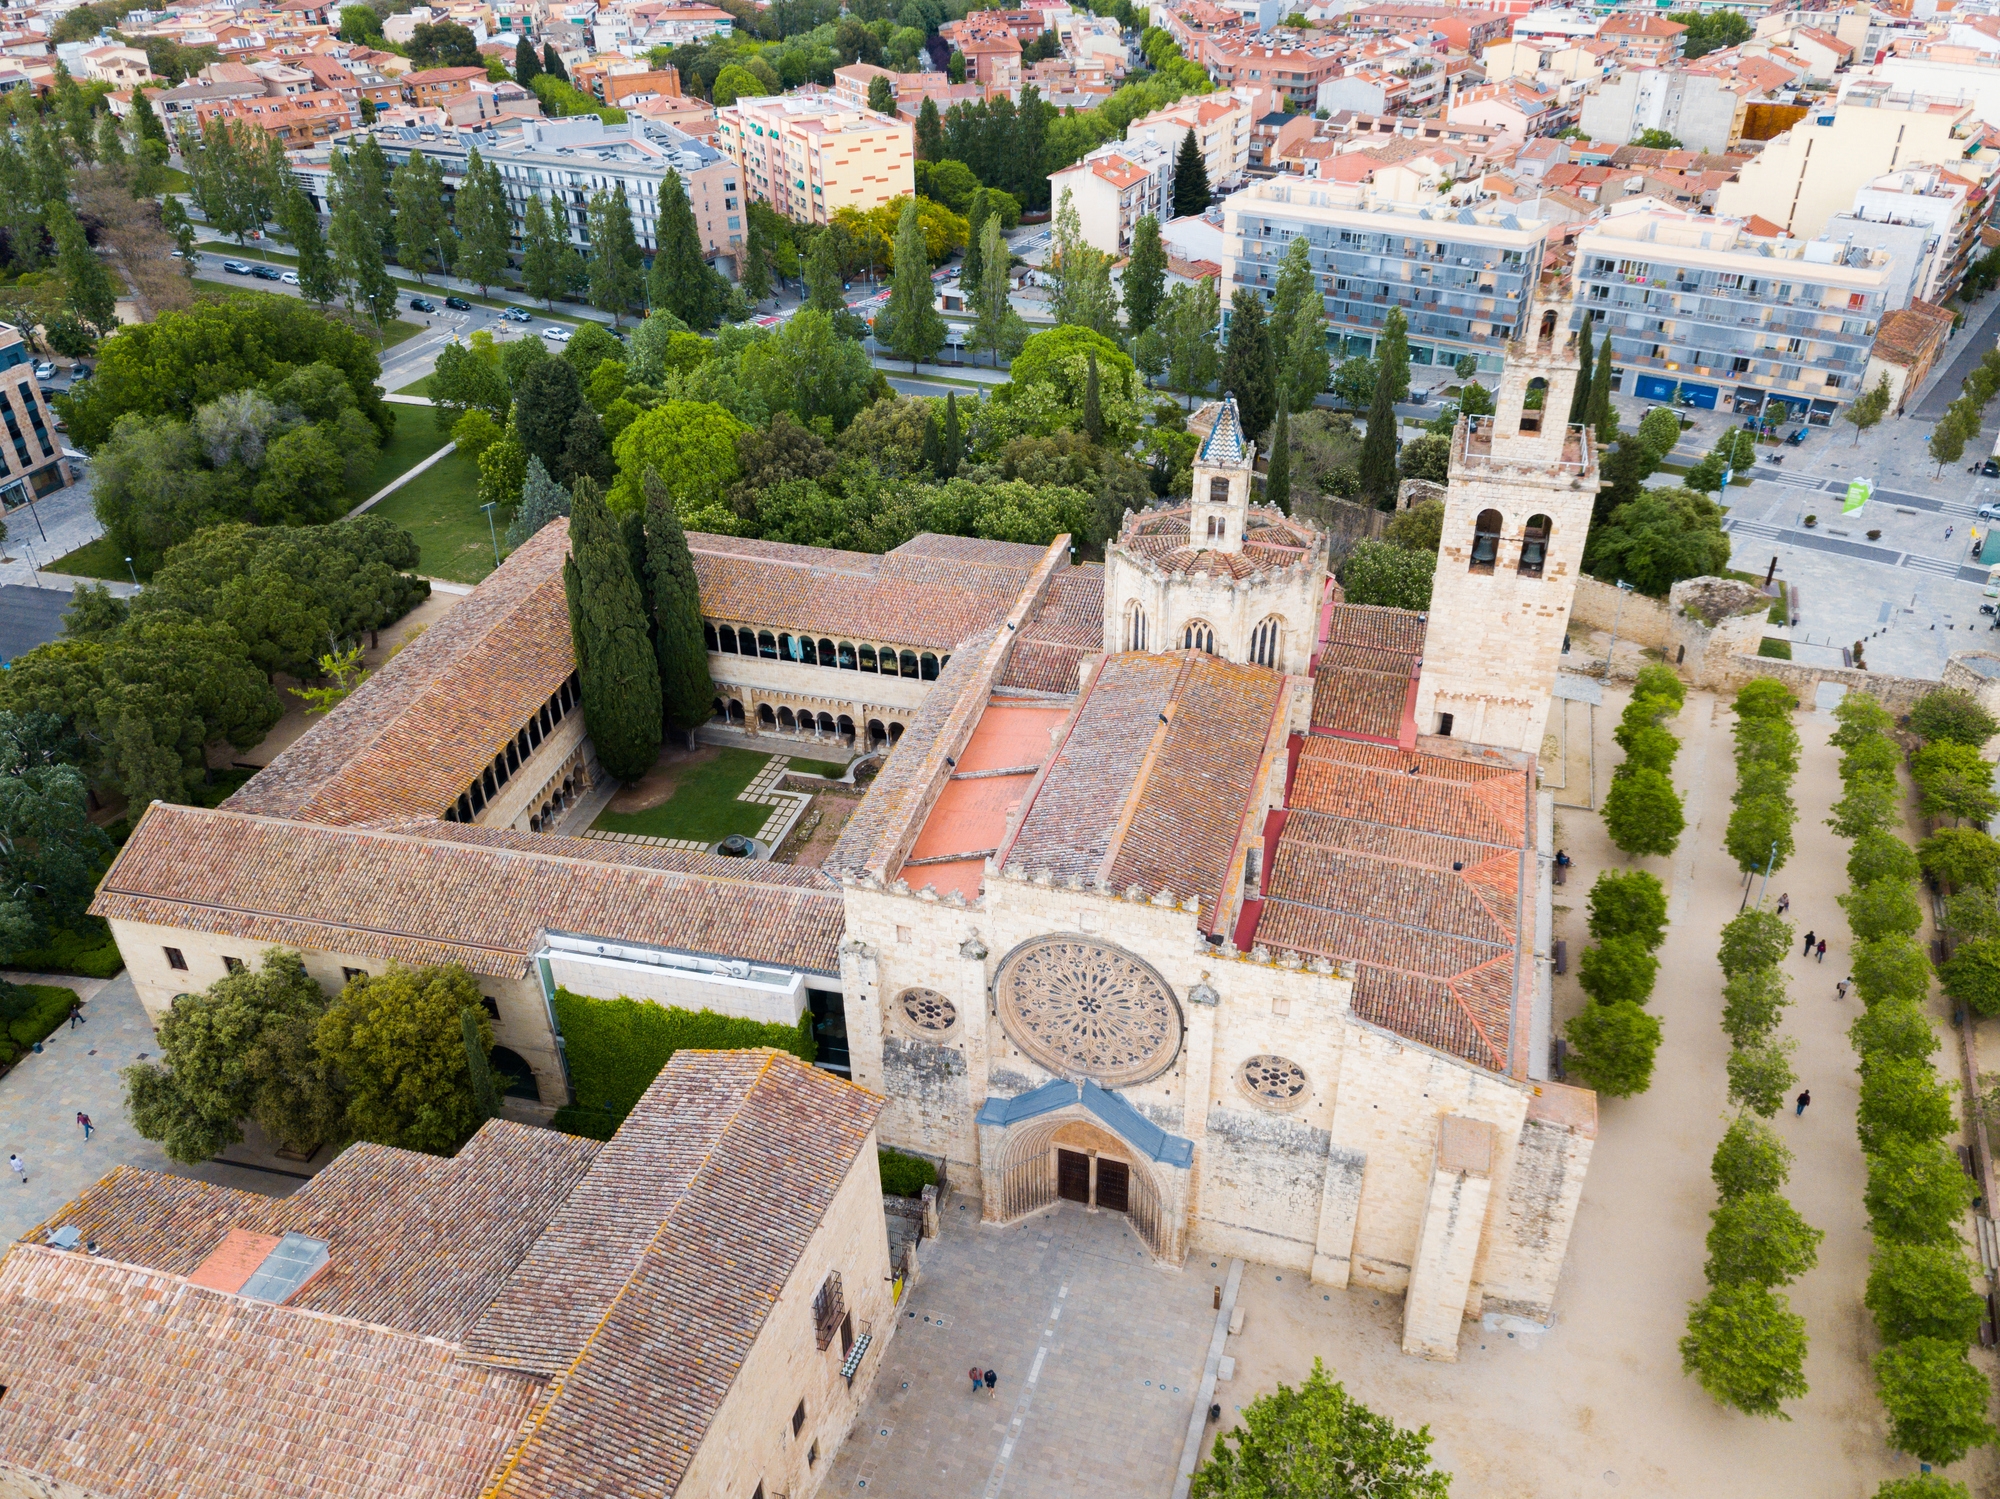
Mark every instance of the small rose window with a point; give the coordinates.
(928, 1010)
(1274, 1082)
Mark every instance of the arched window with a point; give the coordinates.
(766, 719)
(1264, 642)
(908, 660)
(746, 640)
(895, 732)
(735, 711)
(1535, 546)
(846, 728)
(726, 638)
(868, 658)
(826, 723)
(1485, 540)
(930, 667)
(534, 733)
(722, 710)
(1198, 636)
(1532, 404)
(1548, 326)
(826, 655)
(767, 645)
(876, 733)
(1135, 629)
(847, 655)
(787, 720)
(788, 649)
(478, 798)
(807, 652)
(708, 634)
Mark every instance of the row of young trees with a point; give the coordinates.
(1919, 1282)
(1642, 811)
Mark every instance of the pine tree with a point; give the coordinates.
(1602, 417)
(954, 438)
(317, 282)
(930, 132)
(423, 221)
(1247, 371)
(542, 500)
(552, 64)
(1579, 398)
(526, 65)
(1379, 479)
(681, 281)
(547, 260)
(1278, 476)
(586, 453)
(972, 264)
(617, 268)
(996, 326)
(755, 277)
(686, 692)
(882, 95)
(1093, 401)
(914, 330)
(1145, 275)
(1190, 180)
(485, 225)
(614, 650)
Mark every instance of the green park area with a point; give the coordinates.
(440, 508)
(703, 805)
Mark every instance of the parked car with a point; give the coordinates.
(517, 315)
(1990, 512)
(290, 278)
(1797, 438)
(422, 304)
(236, 267)
(558, 335)
(267, 273)
(45, 371)
(458, 304)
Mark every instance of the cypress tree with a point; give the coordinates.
(1579, 399)
(614, 656)
(1093, 402)
(687, 695)
(930, 131)
(1379, 478)
(1247, 369)
(931, 459)
(585, 450)
(1145, 275)
(681, 281)
(1602, 417)
(972, 267)
(954, 438)
(552, 65)
(526, 64)
(1278, 477)
(1190, 179)
(909, 327)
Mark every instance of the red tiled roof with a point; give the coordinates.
(1366, 661)
(1271, 541)
(1068, 626)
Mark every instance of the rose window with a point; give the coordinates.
(1275, 1082)
(927, 1009)
(1084, 1008)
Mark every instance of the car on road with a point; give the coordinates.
(290, 278)
(45, 371)
(1989, 512)
(517, 315)
(422, 304)
(236, 267)
(267, 273)
(458, 304)
(558, 335)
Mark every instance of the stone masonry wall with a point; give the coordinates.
(1646, 620)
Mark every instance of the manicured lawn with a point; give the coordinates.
(817, 768)
(94, 559)
(703, 806)
(416, 388)
(417, 437)
(176, 181)
(440, 507)
(397, 331)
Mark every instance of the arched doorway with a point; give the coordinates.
(1069, 1156)
(512, 1073)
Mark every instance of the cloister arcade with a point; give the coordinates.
(843, 655)
(816, 724)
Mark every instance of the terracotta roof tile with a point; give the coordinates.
(127, 1380)
(429, 899)
(1067, 627)
(1271, 542)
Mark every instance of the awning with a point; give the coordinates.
(1119, 1116)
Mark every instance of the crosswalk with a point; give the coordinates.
(1771, 474)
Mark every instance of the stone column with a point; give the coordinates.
(1339, 1209)
(974, 1022)
(1448, 1240)
(861, 1000)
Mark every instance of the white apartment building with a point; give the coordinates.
(1697, 109)
(1221, 125)
(810, 155)
(1939, 203)
(1113, 188)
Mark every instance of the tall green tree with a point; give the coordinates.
(1188, 322)
(1747, 1347)
(971, 265)
(1248, 370)
(485, 226)
(754, 276)
(549, 264)
(526, 64)
(953, 437)
(1190, 179)
(930, 132)
(397, 1041)
(914, 330)
(1379, 478)
(686, 692)
(1082, 295)
(1278, 477)
(1869, 408)
(317, 281)
(614, 649)
(1145, 275)
(996, 326)
(1298, 329)
(359, 194)
(1602, 417)
(1318, 1440)
(89, 292)
(681, 281)
(617, 268)
(552, 64)
(423, 218)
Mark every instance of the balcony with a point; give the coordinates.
(829, 1310)
(1473, 447)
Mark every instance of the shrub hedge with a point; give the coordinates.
(29, 1013)
(88, 952)
(904, 1175)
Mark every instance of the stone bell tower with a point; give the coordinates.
(1517, 508)
(1220, 508)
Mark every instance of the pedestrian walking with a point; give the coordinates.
(1804, 1099)
(1784, 904)
(75, 1013)
(977, 1381)
(992, 1379)
(19, 1167)
(1840, 989)
(84, 1120)
(1947, 530)
(1822, 949)
(1809, 946)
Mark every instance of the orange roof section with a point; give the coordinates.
(232, 1262)
(971, 813)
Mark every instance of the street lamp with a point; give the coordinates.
(1616, 614)
(490, 530)
(130, 569)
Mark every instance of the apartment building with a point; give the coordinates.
(809, 155)
(1460, 277)
(439, 86)
(1113, 188)
(1948, 208)
(31, 461)
(1730, 311)
(1221, 126)
(1805, 176)
(1293, 73)
(1651, 41)
(1463, 29)
(1698, 109)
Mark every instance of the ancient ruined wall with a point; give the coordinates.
(1646, 620)
(1529, 1236)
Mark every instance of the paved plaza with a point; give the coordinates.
(1099, 1354)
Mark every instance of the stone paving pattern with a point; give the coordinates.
(1098, 1352)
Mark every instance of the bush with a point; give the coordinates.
(1752, 1004)
(1869, 805)
(1751, 1158)
(1874, 758)
(904, 1175)
(1894, 968)
(1891, 1030)
(1936, 1400)
(1923, 1291)
(1618, 971)
(1971, 913)
(1659, 680)
(1900, 1097)
(1759, 834)
(1649, 745)
(1884, 909)
(1612, 1048)
(1917, 1192)
(1641, 812)
(87, 951)
(1754, 939)
(1963, 858)
(1747, 1347)
(1764, 698)
(1884, 856)
(1922, 1486)
(31, 1012)
(1860, 718)
(1375, 572)
(1971, 975)
(1759, 1239)
(1953, 781)
(1951, 713)
(1761, 1076)
(616, 1047)
(1628, 905)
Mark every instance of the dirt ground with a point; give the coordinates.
(1599, 1402)
(813, 836)
(659, 783)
